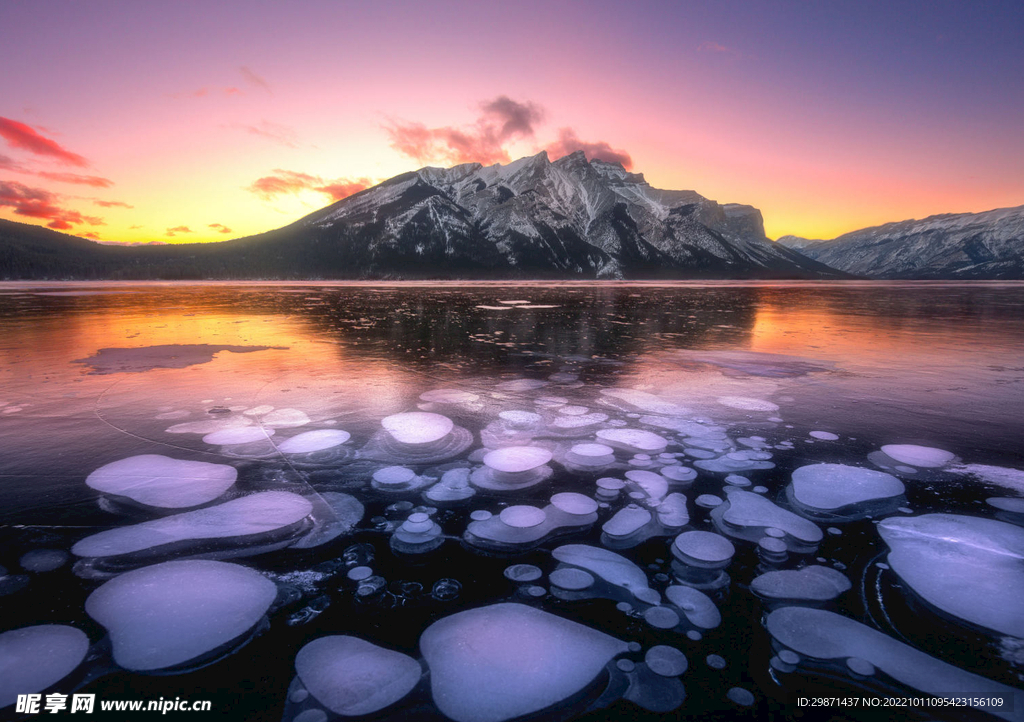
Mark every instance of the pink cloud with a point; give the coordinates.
(41, 204)
(113, 204)
(19, 135)
(568, 142)
(253, 79)
(219, 227)
(85, 180)
(178, 229)
(289, 181)
(282, 134)
(710, 47)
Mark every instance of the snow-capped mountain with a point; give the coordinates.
(965, 245)
(537, 218)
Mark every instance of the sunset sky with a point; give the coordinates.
(199, 121)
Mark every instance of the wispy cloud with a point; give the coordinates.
(24, 137)
(501, 121)
(283, 182)
(112, 204)
(568, 142)
(172, 232)
(712, 47)
(41, 204)
(85, 180)
(275, 132)
(253, 79)
(220, 228)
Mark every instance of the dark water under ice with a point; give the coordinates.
(94, 373)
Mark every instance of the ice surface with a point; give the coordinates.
(813, 583)
(645, 401)
(167, 356)
(417, 427)
(998, 475)
(834, 486)
(825, 635)
(519, 385)
(310, 441)
(353, 677)
(745, 403)
(633, 440)
(334, 514)
(33, 659)
(924, 457)
(256, 514)
(504, 661)
(169, 614)
(969, 567)
(163, 482)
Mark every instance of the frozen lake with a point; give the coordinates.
(487, 501)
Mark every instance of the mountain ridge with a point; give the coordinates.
(985, 245)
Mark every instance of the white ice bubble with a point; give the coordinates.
(352, 677)
(825, 635)
(33, 659)
(523, 573)
(613, 568)
(703, 548)
(43, 560)
(238, 435)
(666, 661)
(449, 396)
(812, 583)
(394, 476)
(516, 419)
(247, 516)
(824, 435)
(571, 579)
(573, 503)
(678, 473)
(633, 440)
(522, 516)
(744, 510)
(311, 441)
(520, 385)
(516, 459)
(520, 661)
(655, 486)
(169, 614)
(163, 482)
(699, 609)
(924, 457)
(285, 418)
(969, 567)
(627, 521)
(833, 486)
(645, 401)
(258, 410)
(745, 403)
(417, 427)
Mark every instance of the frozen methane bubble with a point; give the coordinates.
(645, 401)
(655, 486)
(394, 476)
(449, 396)
(636, 441)
(310, 441)
(591, 455)
(969, 567)
(828, 487)
(417, 427)
(169, 614)
(522, 516)
(703, 549)
(573, 503)
(520, 660)
(517, 459)
(238, 435)
(516, 419)
(263, 513)
(523, 573)
(627, 521)
(745, 403)
(812, 584)
(924, 457)
(746, 515)
(519, 385)
(661, 617)
(741, 696)
(352, 677)
(1014, 505)
(162, 482)
(678, 473)
(609, 566)
(571, 579)
(828, 636)
(33, 659)
(666, 661)
(43, 560)
(824, 436)
(697, 607)
(285, 418)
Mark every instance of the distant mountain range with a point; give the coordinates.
(987, 245)
(534, 218)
